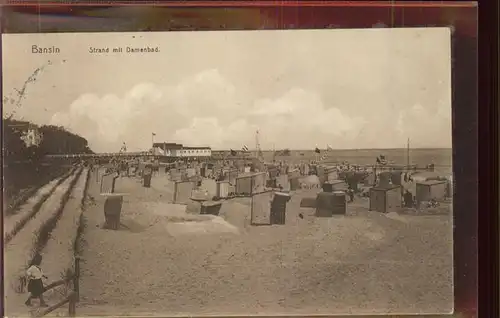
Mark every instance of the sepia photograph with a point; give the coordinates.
(270, 172)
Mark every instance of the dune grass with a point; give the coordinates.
(22, 181)
(49, 225)
(25, 218)
(79, 241)
(28, 241)
(58, 252)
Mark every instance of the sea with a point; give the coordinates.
(440, 157)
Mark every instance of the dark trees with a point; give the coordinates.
(54, 140)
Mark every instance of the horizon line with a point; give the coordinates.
(336, 149)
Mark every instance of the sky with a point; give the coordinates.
(301, 89)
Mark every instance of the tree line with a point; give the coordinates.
(54, 140)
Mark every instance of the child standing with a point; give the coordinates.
(35, 284)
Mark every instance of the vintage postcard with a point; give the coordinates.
(290, 172)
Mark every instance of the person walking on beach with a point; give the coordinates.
(35, 284)
(350, 193)
(408, 199)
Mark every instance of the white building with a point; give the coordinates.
(194, 152)
(32, 137)
(179, 150)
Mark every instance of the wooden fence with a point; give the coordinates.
(71, 299)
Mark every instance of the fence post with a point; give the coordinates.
(76, 279)
(72, 305)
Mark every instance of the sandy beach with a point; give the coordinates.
(164, 261)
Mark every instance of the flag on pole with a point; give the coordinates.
(233, 153)
(381, 160)
(244, 148)
(324, 156)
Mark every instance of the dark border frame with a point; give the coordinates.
(33, 17)
(488, 237)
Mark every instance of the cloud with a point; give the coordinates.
(206, 109)
(427, 126)
(108, 121)
(299, 119)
